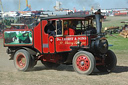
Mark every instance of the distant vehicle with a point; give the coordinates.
(55, 13)
(10, 14)
(119, 13)
(68, 39)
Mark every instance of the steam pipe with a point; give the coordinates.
(98, 21)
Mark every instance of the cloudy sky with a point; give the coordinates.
(13, 5)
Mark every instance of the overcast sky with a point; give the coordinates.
(13, 5)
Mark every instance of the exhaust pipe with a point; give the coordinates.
(98, 21)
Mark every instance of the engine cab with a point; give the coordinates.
(60, 34)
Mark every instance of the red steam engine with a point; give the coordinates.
(55, 40)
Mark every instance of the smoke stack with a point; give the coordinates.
(98, 21)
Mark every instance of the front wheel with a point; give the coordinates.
(84, 62)
(109, 62)
(23, 60)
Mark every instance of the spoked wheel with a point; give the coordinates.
(50, 65)
(83, 62)
(109, 62)
(23, 60)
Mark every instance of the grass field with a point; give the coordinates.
(119, 43)
(114, 21)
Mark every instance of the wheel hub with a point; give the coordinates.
(83, 63)
(21, 61)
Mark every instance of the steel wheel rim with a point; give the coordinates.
(21, 61)
(83, 63)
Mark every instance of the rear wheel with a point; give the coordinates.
(83, 62)
(109, 62)
(50, 64)
(23, 60)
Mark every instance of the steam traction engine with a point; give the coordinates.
(75, 40)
